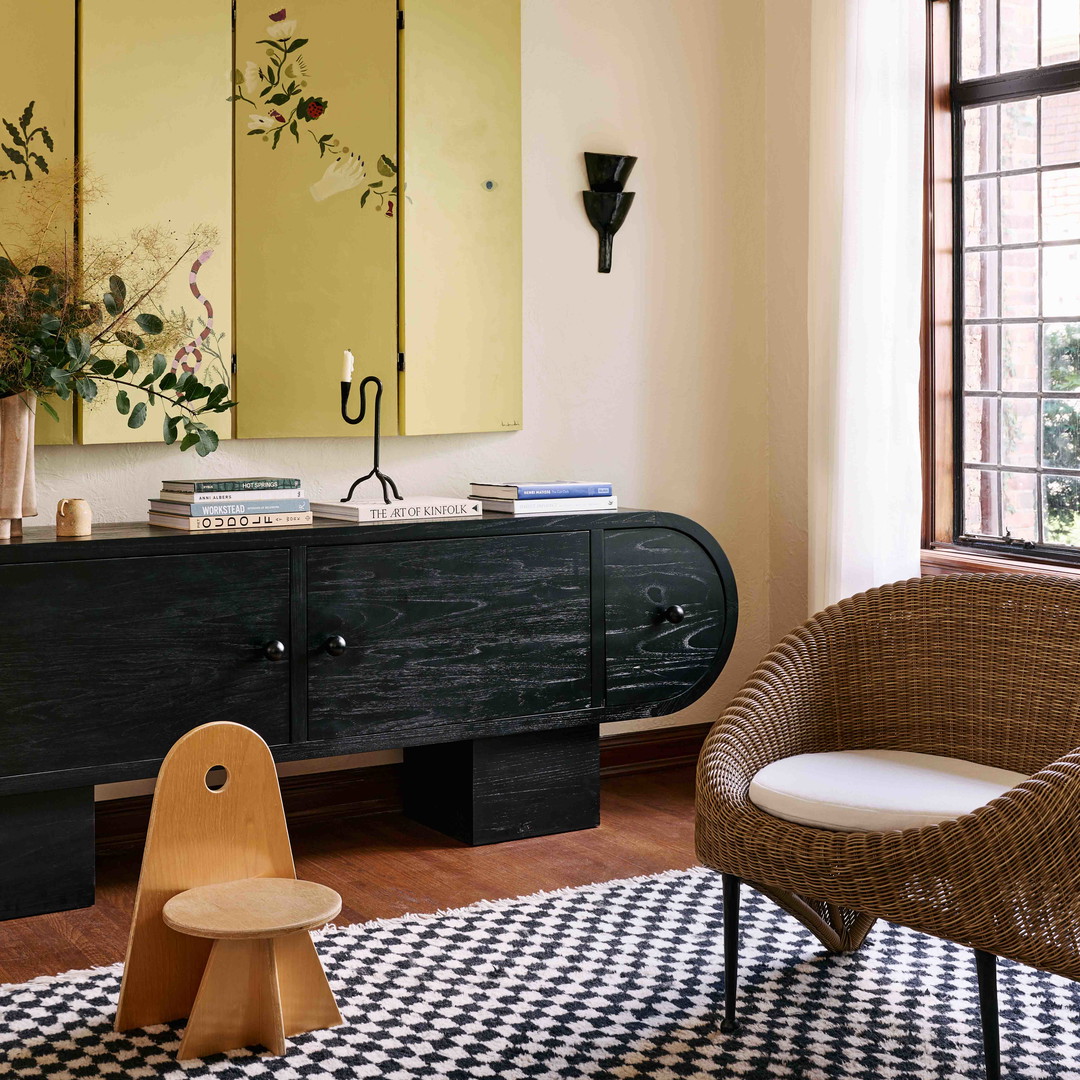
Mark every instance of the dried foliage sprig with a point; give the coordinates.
(68, 326)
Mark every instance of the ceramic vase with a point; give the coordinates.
(18, 490)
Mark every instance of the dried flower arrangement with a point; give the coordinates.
(71, 323)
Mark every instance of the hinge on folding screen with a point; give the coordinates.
(401, 361)
(400, 19)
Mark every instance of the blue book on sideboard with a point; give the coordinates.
(563, 489)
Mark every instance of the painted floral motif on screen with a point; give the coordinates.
(27, 146)
(279, 90)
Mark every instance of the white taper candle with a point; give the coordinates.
(347, 367)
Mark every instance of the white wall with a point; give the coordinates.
(655, 375)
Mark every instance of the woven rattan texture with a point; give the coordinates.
(984, 667)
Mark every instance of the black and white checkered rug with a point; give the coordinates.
(611, 982)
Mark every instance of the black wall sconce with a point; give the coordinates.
(606, 203)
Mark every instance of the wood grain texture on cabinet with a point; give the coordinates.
(648, 571)
(485, 791)
(46, 851)
(113, 659)
(447, 630)
(498, 643)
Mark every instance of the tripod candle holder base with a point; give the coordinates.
(387, 483)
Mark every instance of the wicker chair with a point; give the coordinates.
(984, 668)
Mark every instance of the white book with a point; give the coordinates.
(262, 495)
(233, 521)
(550, 506)
(417, 508)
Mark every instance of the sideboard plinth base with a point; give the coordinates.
(46, 852)
(484, 791)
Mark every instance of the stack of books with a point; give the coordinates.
(236, 502)
(555, 497)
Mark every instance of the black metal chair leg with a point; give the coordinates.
(731, 950)
(986, 970)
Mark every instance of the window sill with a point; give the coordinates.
(949, 560)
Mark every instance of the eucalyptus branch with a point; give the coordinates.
(128, 309)
(57, 340)
(148, 389)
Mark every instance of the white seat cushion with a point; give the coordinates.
(876, 790)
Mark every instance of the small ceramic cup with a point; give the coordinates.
(73, 517)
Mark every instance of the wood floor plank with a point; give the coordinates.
(385, 865)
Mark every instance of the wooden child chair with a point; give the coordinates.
(220, 932)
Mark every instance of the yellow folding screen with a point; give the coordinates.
(156, 141)
(272, 139)
(315, 229)
(37, 150)
(461, 254)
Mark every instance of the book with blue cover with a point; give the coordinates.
(555, 489)
(239, 506)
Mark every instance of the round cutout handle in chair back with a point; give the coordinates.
(274, 651)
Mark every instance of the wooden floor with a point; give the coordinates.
(385, 865)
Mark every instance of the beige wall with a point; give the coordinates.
(681, 375)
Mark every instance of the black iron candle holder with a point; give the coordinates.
(346, 389)
(606, 204)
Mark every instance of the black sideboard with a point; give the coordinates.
(490, 648)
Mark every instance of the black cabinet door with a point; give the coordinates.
(111, 660)
(441, 631)
(646, 573)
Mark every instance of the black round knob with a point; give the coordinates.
(335, 645)
(274, 650)
(675, 614)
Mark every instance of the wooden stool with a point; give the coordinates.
(263, 981)
(220, 928)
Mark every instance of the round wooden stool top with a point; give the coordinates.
(251, 908)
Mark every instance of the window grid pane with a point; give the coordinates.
(998, 36)
(1021, 304)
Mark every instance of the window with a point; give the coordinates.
(1014, 111)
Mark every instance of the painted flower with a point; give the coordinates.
(311, 108)
(257, 122)
(389, 207)
(251, 79)
(279, 31)
(277, 116)
(277, 16)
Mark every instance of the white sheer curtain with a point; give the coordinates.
(866, 198)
